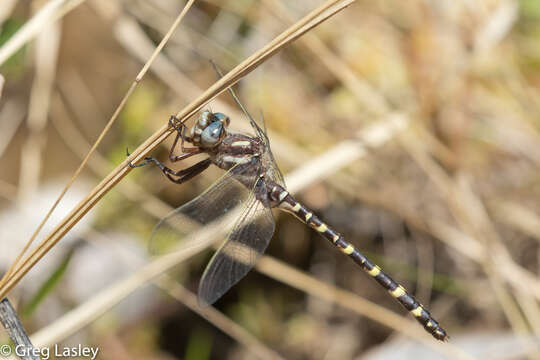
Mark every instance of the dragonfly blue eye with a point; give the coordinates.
(212, 134)
(224, 119)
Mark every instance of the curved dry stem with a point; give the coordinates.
(311, 20)
(105, 130)
(47, 46)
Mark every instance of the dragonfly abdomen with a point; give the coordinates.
(287, 202)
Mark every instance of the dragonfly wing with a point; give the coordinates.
(224, 195)
(269, 160)
(272, 169)
(245, 244)
(270, 163)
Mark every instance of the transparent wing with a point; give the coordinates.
(268, 156)
(224, 195)
(245, 244)
(272, 170)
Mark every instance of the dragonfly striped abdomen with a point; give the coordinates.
(253, 179)
(290, 204)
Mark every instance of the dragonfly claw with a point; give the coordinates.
(175, 123)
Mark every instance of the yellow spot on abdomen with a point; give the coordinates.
(335, 238)
(348, 250)
(296, 207)
(321, 228)
(375, 271)
(308, 216)
(417, 312)
(397, 292)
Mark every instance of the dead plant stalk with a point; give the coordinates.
(317, 16)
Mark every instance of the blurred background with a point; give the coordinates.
(447, 202)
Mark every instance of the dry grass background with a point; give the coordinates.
(411, 127)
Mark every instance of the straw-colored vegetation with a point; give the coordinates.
(411, 127)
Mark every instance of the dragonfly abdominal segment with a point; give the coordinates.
(253, 180)
(289, 203)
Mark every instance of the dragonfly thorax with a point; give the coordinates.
(209, 130)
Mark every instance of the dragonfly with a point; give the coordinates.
(253, 180)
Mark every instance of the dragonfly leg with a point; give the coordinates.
(175, 123)
(181, 133)
(133, 166)
(182, 175)
(186, 152)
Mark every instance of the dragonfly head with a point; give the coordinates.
(210, 129)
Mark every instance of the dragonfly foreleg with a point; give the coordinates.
(181, 133)
(182, 175)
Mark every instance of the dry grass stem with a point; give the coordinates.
(47, 47)
(311, 20)
(39, 124)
